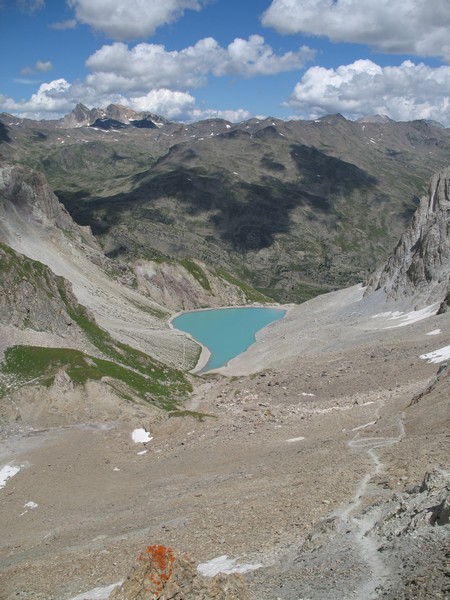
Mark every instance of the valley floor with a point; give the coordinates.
(310, 440)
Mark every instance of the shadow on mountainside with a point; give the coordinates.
(244, 215)
(4, 133)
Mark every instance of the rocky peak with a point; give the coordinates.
(81, 115)
(419, 267)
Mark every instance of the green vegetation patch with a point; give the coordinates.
(250, 293)
(196, 272)
(21, 266)
(32, 364)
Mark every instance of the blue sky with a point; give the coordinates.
(193, 59)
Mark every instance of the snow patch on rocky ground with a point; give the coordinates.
(141, 435)
(223, 564)
(437, 356)
(6, 473)
(99, 593)
(406, 318)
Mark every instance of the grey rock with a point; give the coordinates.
(419, 267)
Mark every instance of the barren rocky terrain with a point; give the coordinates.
(318, 458)
(289, 469)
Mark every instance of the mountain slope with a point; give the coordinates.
(292, 208)
(33, 223)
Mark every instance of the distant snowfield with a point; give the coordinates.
(223, 564)
(6, 473)
(438, 355)
(434, 332)
(406, 318)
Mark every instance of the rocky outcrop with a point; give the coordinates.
(84, 116)
(26, 195)
(162, 574)
(189, 285)
(419, 267)
(31, 296)
(413, 531)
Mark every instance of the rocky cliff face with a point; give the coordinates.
(32, 297)
(26, 196)
(419, 268)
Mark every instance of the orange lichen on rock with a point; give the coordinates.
(160, 560)
(162, 574)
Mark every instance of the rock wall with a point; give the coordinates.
(419, 267)
(32, 297)
(174, 287)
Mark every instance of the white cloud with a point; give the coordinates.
(40, 67)
(170, 104)
(117, 68)
(63, 25)
(24, 81)
(406, 92)
(43, 66)
(30, 6)
(417, 27)
(251, 57)
(51, 99)
(235, 116)
(129, 19)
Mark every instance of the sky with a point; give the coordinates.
(235, 59)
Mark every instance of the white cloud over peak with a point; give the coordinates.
(235, 116)
(57, 98)
(405, 92)
(171, 104)
(51, 98)
(149, 77)
(418, 27)
(130, 19)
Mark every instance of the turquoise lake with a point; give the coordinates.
(226, 332)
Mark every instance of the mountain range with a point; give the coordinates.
(291, 208)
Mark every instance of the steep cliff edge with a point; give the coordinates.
(418, 270)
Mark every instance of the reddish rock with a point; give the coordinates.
(162, 574)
